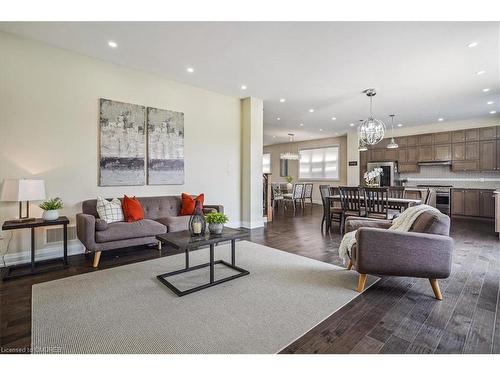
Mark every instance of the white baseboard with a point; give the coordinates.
(74, 247)
(252, 225)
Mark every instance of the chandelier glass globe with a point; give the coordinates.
(371, 131)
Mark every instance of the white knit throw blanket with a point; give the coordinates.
(402, 223)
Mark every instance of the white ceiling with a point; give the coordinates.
(421, 70)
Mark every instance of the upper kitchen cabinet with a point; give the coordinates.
(391, 154)
(442, 152)
(412, 154)
(402, 142)
(458, 136)
(425, 139)
(487, 133)
(425, 153)
(488, 155)
(472, 134)
(442, 138)
(411, 140)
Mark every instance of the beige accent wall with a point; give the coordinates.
(293, 169)
(49, 112)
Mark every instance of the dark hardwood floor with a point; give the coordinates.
(396, 315)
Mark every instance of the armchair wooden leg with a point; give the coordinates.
(97, 256)
(361, 282)
(349, 266)
(435, 289)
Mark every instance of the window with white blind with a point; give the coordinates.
(266, 163)
(319, 163)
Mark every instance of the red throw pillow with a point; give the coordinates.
(132, 209)
(188, 203)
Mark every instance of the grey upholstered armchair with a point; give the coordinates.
(425, 251)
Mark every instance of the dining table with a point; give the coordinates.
(398, 203)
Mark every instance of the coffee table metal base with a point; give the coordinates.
(180, 293)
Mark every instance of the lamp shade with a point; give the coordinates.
(18, 190)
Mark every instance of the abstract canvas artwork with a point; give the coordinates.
(165, 147)
(122, 143)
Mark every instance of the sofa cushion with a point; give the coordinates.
(431, 223)
(132, 209)
(100, 224)
(175, 223)
(123, 230)
(188, 203)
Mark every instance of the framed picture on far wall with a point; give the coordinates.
(165, 147)
(122, 143)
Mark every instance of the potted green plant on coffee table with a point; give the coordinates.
(50, 208)
(216, 222)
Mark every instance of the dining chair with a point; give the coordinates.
(276, 195)
(330, 212)
(377, 202)
(296, 196)
(350, 200)
(396, 192)
(308, 194)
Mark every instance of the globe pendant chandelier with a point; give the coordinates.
(371, 131)
(361, 146)
(289, 155)
(392, 143)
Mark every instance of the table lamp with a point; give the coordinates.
(20, 190)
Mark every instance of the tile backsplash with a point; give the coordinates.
(442, 174)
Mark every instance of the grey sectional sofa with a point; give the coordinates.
(425, 251)
(161, 215)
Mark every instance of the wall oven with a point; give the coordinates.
(390, 171)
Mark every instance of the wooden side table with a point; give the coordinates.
(32, 267)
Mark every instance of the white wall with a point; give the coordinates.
(49, 110)
(352, 137)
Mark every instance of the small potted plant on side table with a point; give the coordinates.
(216, 222)
(50, 208)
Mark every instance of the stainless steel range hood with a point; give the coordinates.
(437, 162)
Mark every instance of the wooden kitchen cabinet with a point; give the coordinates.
(472, 135)
(458, 136)
(498, 155)
(411, 140)
(391, 154)
(487, 133)
(425, 153)
(412, 154)
(458, 151)
(464, 166)
(471, 150)
(377, 154)
(471, 202)
(487, 155)
(443, 137)
(402, 155)
(442, 152)
(486, 203)
(425, 139)
(402, 142)
(457, 201)
(408, 167)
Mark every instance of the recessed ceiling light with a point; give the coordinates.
(274, 136)
(311, 110)
(490, 102)
(112, 44)
(472, 44)
(351, 124)
(486, 90)
(493, 112)
(282, 100)
(190, 69)
(301, 124)
(278, 118)
(320, 130)
(480, 72)
(243, 87)
(400, 125)
(334, 118)
(336, 133)
(440, 119)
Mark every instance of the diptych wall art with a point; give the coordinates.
(123, 130)
(165, 147)
(122, 143)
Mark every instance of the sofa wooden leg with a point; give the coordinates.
(361, 282)
(159, 245)
(97, 256)
(435, 289)
(349, 266)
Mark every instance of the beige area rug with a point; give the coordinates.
(127, 310)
